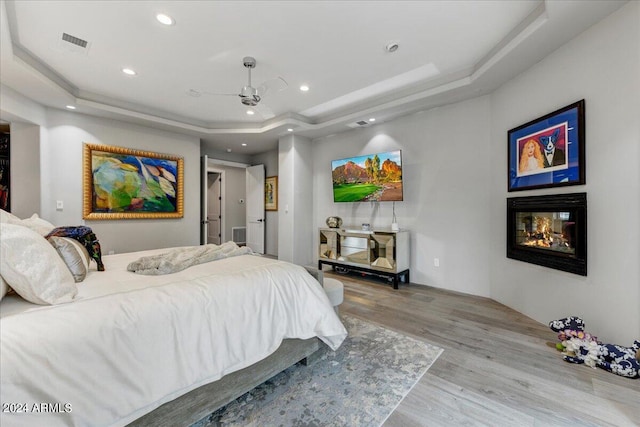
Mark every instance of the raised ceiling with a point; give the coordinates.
(448, 50)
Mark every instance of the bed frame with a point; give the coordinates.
(197, 404)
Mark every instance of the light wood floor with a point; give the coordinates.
(498, 367)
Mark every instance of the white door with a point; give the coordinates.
(255, 208)
(214, 213)
(204, 189)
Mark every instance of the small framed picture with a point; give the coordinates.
(271, 193)
(548, 151)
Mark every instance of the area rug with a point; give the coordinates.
(360, 384)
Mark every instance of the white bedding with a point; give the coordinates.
(129, 343)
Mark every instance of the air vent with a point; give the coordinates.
(359, 124)
(74, 44)
(75, 40)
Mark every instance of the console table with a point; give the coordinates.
(382, 252)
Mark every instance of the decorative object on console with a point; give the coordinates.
(271, 193)
(368, 178)
(334, 222)
(548, 151)
(394, 221)
(120, 183)
(549, 230)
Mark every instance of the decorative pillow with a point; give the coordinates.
(72, 256)
(32, 267)
(4, 288)
(37, 224)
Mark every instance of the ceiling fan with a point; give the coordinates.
(249, 95)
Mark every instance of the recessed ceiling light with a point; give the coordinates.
(289, 130)
(71, 107)
(250, 112)
(244, 145)
(228, 150)
(165, 19)
(129, 71)
(372, 119)
(304, 88)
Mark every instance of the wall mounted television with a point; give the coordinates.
(373, 177)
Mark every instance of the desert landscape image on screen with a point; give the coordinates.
(374, 177)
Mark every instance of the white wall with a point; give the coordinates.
(270, 161)
(25, 169)
(602, 65)
(445, 165)
(61, 179)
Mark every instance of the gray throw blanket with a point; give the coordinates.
(180, 258)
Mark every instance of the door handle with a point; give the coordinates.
(204, 222)
(261, 220)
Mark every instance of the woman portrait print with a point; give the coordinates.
(531, 157)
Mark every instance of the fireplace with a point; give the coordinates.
(549, 230)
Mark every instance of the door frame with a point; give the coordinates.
(213, 169)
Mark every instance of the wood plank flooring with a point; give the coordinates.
(498, 368)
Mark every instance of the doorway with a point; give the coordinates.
(214, 208)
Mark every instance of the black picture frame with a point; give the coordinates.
(563, 132)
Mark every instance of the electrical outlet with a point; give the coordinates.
(59, 205)
(436, 262)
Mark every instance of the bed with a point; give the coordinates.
(138, 349)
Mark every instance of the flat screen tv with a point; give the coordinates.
(374, 177)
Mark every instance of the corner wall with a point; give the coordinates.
(602, 65)
(446, 170)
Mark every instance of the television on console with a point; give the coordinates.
(373, 177)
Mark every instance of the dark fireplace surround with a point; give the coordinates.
(549, 230)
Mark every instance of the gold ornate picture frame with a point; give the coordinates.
(121, 183)
(271, 193)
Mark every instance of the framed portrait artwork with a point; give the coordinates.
(548, 151)
(121, 183)
(271, 193)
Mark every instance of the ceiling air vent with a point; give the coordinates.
(74, 44)
(75, 40)
(359, 124)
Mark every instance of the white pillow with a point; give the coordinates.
(37, 224)
(4, 288)
(6, 217)
(32, 267)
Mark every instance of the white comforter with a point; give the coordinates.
(130, 343)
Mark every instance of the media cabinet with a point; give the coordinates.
(381, 252)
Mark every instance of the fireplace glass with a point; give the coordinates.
(549, 230)
(552, 231)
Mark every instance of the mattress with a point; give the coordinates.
(129, 343)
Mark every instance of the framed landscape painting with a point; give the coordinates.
(548, 151)
(121, 183)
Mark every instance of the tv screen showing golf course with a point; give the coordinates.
(369, 178)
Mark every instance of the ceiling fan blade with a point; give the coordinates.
(273, 85)
(198, 93)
